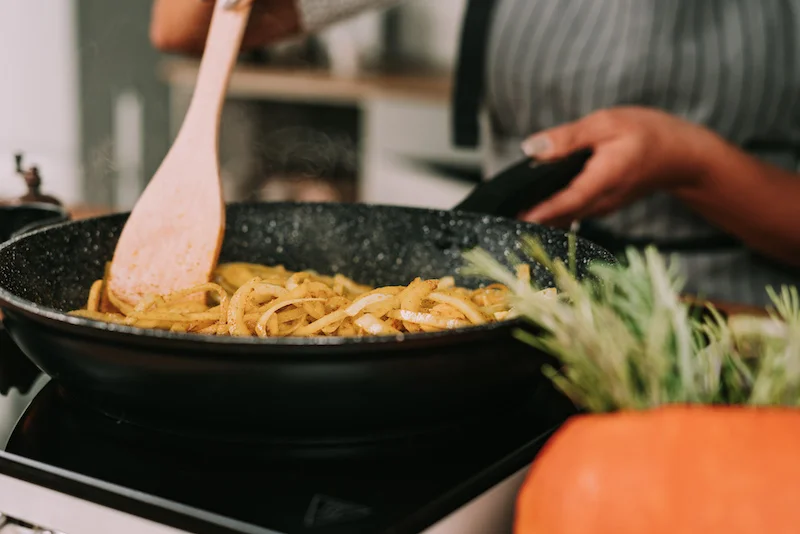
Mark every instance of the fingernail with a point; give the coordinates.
(538, 145)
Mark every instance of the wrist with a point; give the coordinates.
(706, 151)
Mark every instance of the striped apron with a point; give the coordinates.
(731, 65)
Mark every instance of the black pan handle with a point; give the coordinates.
(523, 185)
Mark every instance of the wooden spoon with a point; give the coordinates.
(174, 234)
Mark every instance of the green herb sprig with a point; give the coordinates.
(626, 341)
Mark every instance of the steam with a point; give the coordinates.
(302, 152)
(101, 173)
(301, 163)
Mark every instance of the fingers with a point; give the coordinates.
(604, 206)
(563, 140)
(599, 179)
(599, 208)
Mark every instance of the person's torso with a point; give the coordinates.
(731, 65)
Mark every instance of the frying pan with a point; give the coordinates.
(319, 388)
(17, 371)
(23, 218)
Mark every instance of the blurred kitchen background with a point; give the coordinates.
(359, 112)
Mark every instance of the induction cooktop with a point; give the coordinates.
(203, 483)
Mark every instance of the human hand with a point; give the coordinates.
(636, 151)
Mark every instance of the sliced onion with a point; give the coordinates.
(319, 324)
(372, 325)
(422, 318)
(261, 324)
(264, 291)
(412, 296)
(237, 307)
(356, 307)
(469, 309)
(446, 282)
(294, 280)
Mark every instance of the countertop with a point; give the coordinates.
(309, 84)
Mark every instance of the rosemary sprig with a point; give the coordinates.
(626, 340)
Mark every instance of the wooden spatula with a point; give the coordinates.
(173, 237)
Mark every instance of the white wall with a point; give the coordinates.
(39, 98)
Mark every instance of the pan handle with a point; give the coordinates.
(523, 185)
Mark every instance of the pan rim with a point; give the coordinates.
(52, 317)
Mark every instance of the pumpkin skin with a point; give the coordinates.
(677, 469)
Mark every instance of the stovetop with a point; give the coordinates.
(259, 487)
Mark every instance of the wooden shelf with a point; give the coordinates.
(310, 85)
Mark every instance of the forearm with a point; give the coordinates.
(182, 25)
(179, 25)
(755, 201)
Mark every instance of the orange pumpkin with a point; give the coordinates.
(677, 469)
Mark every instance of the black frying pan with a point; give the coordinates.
(333, 388)
(23, 218)
(16, 371)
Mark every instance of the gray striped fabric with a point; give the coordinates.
(732, 65)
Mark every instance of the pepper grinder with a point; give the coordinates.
(34, 182)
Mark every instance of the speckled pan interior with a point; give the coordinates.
(51, 270)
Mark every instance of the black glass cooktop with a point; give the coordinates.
(388, 488)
